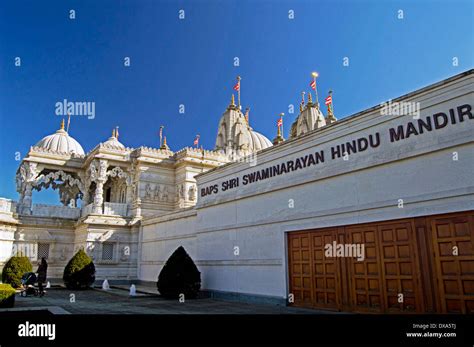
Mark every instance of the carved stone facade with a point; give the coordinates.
(105, 194)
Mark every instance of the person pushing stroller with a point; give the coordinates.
(42, 272)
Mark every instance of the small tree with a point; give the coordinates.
(14, 269)
(179, 276)
(79, 272)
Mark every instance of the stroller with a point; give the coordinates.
(28, 281)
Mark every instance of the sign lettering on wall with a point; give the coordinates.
(395, 134)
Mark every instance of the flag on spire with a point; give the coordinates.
(313, 84)
(328, 100)
(237, 86)
(280, 122)
(196, 140)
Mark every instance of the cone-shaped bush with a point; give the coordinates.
(14, 269)
(79, 273)
(179, 276)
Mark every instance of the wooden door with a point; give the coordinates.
(453, 243)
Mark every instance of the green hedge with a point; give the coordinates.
(7, 295)
(79, 273)
(14, 269)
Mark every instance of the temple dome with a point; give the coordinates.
(114, 142)
(61, 142)
(258, 141)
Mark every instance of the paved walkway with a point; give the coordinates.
(117, 301)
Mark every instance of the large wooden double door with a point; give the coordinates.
(413, 265)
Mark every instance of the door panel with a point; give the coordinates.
(325, 271)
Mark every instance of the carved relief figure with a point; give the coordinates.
(192, 192)
(148, 191)
(181, 192)
(165, 193)
(158, 193)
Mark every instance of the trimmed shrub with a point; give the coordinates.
(15, 268)
(7, 296)
(79, 273)
(179, 276)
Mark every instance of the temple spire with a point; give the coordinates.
(232, 105)
(62, 125)
(330, 118)
(279, 138)
(164, 145)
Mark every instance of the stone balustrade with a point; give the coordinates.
(7, 205)
(43, 210)
(114, 208)
(86, 210)
(109, 208)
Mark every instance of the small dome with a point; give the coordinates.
(258, 141)
(61, 142)
(113, 142)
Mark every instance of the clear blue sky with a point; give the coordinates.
(190, 62)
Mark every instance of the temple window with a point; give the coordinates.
(43, 250)
(107, 251)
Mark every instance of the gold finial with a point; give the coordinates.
(62, 124)
(310, 98)
(329, 109)
(232, 101)
(164, 145)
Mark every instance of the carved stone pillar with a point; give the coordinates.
(25, 179)
(26, 199)
(101, 178)
(129, 194)
(85, 196)
(98, 197)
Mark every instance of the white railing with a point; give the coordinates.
(7, 205)
(88, 209)
(115, 208)
(43, 210)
